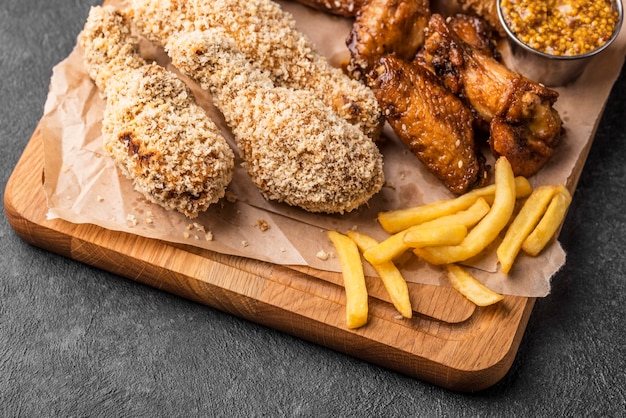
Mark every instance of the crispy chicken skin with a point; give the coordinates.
(383, 27)
(345, 8)
(267, 35)
(431, 121)
(296, 149)
(152, 127)
(476, 32)
(524, 126)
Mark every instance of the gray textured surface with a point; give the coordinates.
(77, 341)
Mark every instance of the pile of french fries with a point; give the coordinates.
(449, 232)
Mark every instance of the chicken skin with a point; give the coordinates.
(431, 121)
(524, 126)
(383, 27)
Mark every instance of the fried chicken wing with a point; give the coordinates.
(476, 32)
(296, 148)
(383, 27)
(524, 126)
(267, 35)
(152, 127)
(431, 121)
(345, 8)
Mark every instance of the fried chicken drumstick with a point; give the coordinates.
(296, 148)
(152, 127)
(431, 121)
(524, 126)
(267, 35)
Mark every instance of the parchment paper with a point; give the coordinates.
(83, 185)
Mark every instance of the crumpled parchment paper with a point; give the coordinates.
(83, 185)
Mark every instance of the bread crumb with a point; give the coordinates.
(263, 225)
(230, 196)
(244, 243)
(100, 198)
(132, 221)
(322, 255)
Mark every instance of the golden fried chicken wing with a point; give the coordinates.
(152, 127)
(296, 149)
(476, 32)
(383, 27)
(435, 124)
(486, 9)
(524, 126)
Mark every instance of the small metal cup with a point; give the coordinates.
(552, 70)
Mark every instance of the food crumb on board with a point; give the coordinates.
(322, 255)
(263, 225)
(100, 198)
(131, 219)
(244, 243)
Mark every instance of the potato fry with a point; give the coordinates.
(487, 229)
(550, 223)
(523, 224)
(470, 287)
(401, 219)
(429, 235)
(421, 235)
(389, 274)
(354, 279)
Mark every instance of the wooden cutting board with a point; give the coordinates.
(448, 342)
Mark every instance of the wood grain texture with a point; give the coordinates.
(448, 342)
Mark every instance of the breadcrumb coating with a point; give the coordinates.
(268, 35)
(152, 127)
(296, 148)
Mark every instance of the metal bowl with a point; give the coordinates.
(552, 70)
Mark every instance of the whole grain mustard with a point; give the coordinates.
(561, 27)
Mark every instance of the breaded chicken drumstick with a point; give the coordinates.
(296, 149)
(268, 35)
(156, 133)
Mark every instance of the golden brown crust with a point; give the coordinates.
(152, 127)
(267, 35)
(296, 148)
(385, 27)
(431, 121)
(498, 95)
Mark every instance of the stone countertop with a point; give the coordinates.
(78, 341)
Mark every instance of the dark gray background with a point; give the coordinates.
(77, 341)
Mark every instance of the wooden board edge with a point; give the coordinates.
(308, 328)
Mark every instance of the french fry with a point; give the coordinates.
(401, 219)
(422, 235)
(468, 218)
(523, 224)
(470, 287)
(428, 235)
(550, 223)
(389, 274)
(354, 279)
(487, 229)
